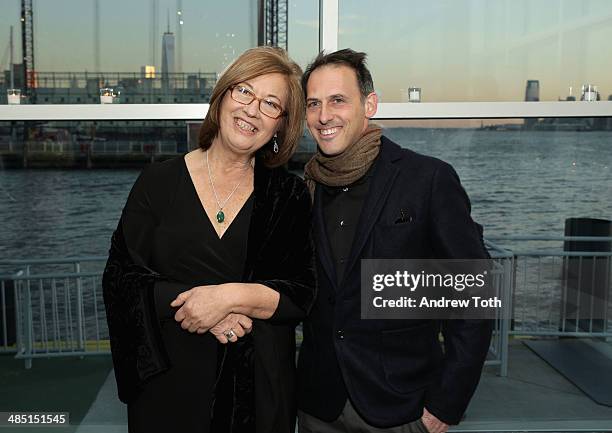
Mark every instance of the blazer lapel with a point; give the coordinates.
(322, 241)
(380, 186)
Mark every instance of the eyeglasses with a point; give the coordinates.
(245, 96)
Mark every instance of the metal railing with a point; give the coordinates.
(503, 263)
(97, 147)
(560, 293)
(58, 308)
(103, 146)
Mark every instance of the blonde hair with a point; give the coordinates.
(253, 63)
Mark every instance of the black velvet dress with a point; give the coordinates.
(209, 386)
(159, 249)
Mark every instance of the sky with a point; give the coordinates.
(454, 50)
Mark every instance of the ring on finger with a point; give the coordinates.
(229, 334)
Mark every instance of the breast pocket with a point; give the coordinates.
(395, 241)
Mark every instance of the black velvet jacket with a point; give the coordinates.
(280, 255)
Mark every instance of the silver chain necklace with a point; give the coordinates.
(220, 214)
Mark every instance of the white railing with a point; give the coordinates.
(62, 313)
(58, 308)
(503, 263)
(560, 293)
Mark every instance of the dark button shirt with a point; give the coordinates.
(341, 212)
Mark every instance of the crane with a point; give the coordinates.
(27, 46)
(273, 23)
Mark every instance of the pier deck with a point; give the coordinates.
(534, 397)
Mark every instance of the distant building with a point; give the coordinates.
(532, 91)
(192, 82)
(147, 71)
(168, 66)
(532, 94)
(17, 76)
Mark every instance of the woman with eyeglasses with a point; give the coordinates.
(211, 266)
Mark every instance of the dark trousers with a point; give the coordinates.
(349, 421)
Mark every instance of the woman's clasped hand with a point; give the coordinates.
(205, 309)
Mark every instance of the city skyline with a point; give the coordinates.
(461, 50)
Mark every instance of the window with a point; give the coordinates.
(527, 167)
(482, 50)
(133, 41)
(523, 177)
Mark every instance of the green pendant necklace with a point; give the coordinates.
(220, 214)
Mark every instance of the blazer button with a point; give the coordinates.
(340, 334)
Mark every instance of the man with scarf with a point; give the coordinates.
(376, 200)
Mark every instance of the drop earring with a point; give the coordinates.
(275, 145)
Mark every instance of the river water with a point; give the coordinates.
(519, 182)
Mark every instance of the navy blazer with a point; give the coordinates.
(391, 369)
